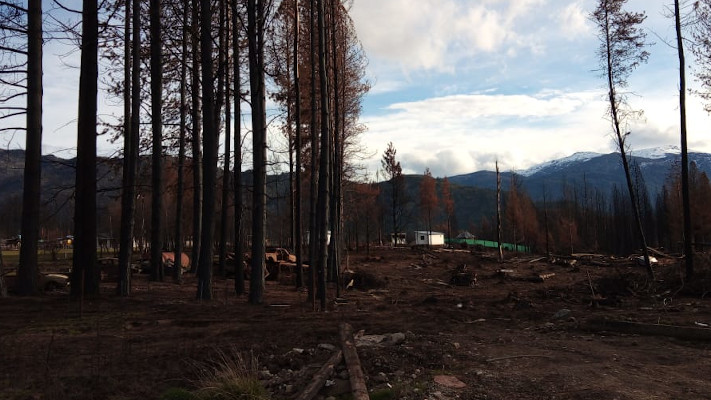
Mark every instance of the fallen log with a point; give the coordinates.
(544, 276)
(679, 332)
(360, 391)
(321, 376)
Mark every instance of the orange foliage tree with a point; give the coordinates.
(448, 204)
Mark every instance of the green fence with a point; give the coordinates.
(490, 243)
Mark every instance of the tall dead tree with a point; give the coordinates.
(224, 97)
(324, 192)
(255, 40)
(177, 256)
(196, 142)
(393, 172)
(28, 272)
(498, 214)
(337, 155)
(238, 187)
(130, 147)
(298, 246)
(621, 51)
(85, 274)
(157, 141)
(686, 202)
(210, 136)
(313, 188)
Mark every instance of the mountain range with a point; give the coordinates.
(593, 170)
(473, 194)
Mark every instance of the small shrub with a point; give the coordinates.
(230, 376)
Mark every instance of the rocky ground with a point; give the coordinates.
(446, 324)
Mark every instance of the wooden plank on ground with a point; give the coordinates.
(321, 376)
(360, 391)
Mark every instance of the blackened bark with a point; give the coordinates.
(196, 140)
(157, 271)
(337, 168)
(313, 227)
(210, 135)
(238, 187)
(130, 149)
(298, 245)
(224, 232)
(686, 202)
(255, 39)
(498, 214)
(85, 274)
(177, 257)
(28, 271)
(324, 165)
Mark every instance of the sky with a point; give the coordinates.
(460, 84)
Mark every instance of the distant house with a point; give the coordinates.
(429, 238)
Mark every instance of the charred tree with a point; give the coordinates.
(197, 162)
(255, 39)
(298, 245)
(324, 192)
(224, 95)
(28, 271)
(313, 189)
(393, 173)
(686, 202)
(157, 141)
(130, 147)
(498, 214)
(210, 136)
(620, 52)
(238, 186)
(177, 257)
(85, 274)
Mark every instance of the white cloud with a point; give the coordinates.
(573, 20)
(472, 106)
(437, 34)
(464, 133)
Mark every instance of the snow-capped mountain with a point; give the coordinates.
(656, 152)
(587, 171)
(560, 163)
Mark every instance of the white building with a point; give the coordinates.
(429, 238)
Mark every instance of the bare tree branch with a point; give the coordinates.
(14, 6)
(16, 30)
(65, 8)
(11, 50)
(12, 114)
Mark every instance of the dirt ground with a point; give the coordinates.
(518, 334)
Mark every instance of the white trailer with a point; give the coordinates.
(429, 238)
